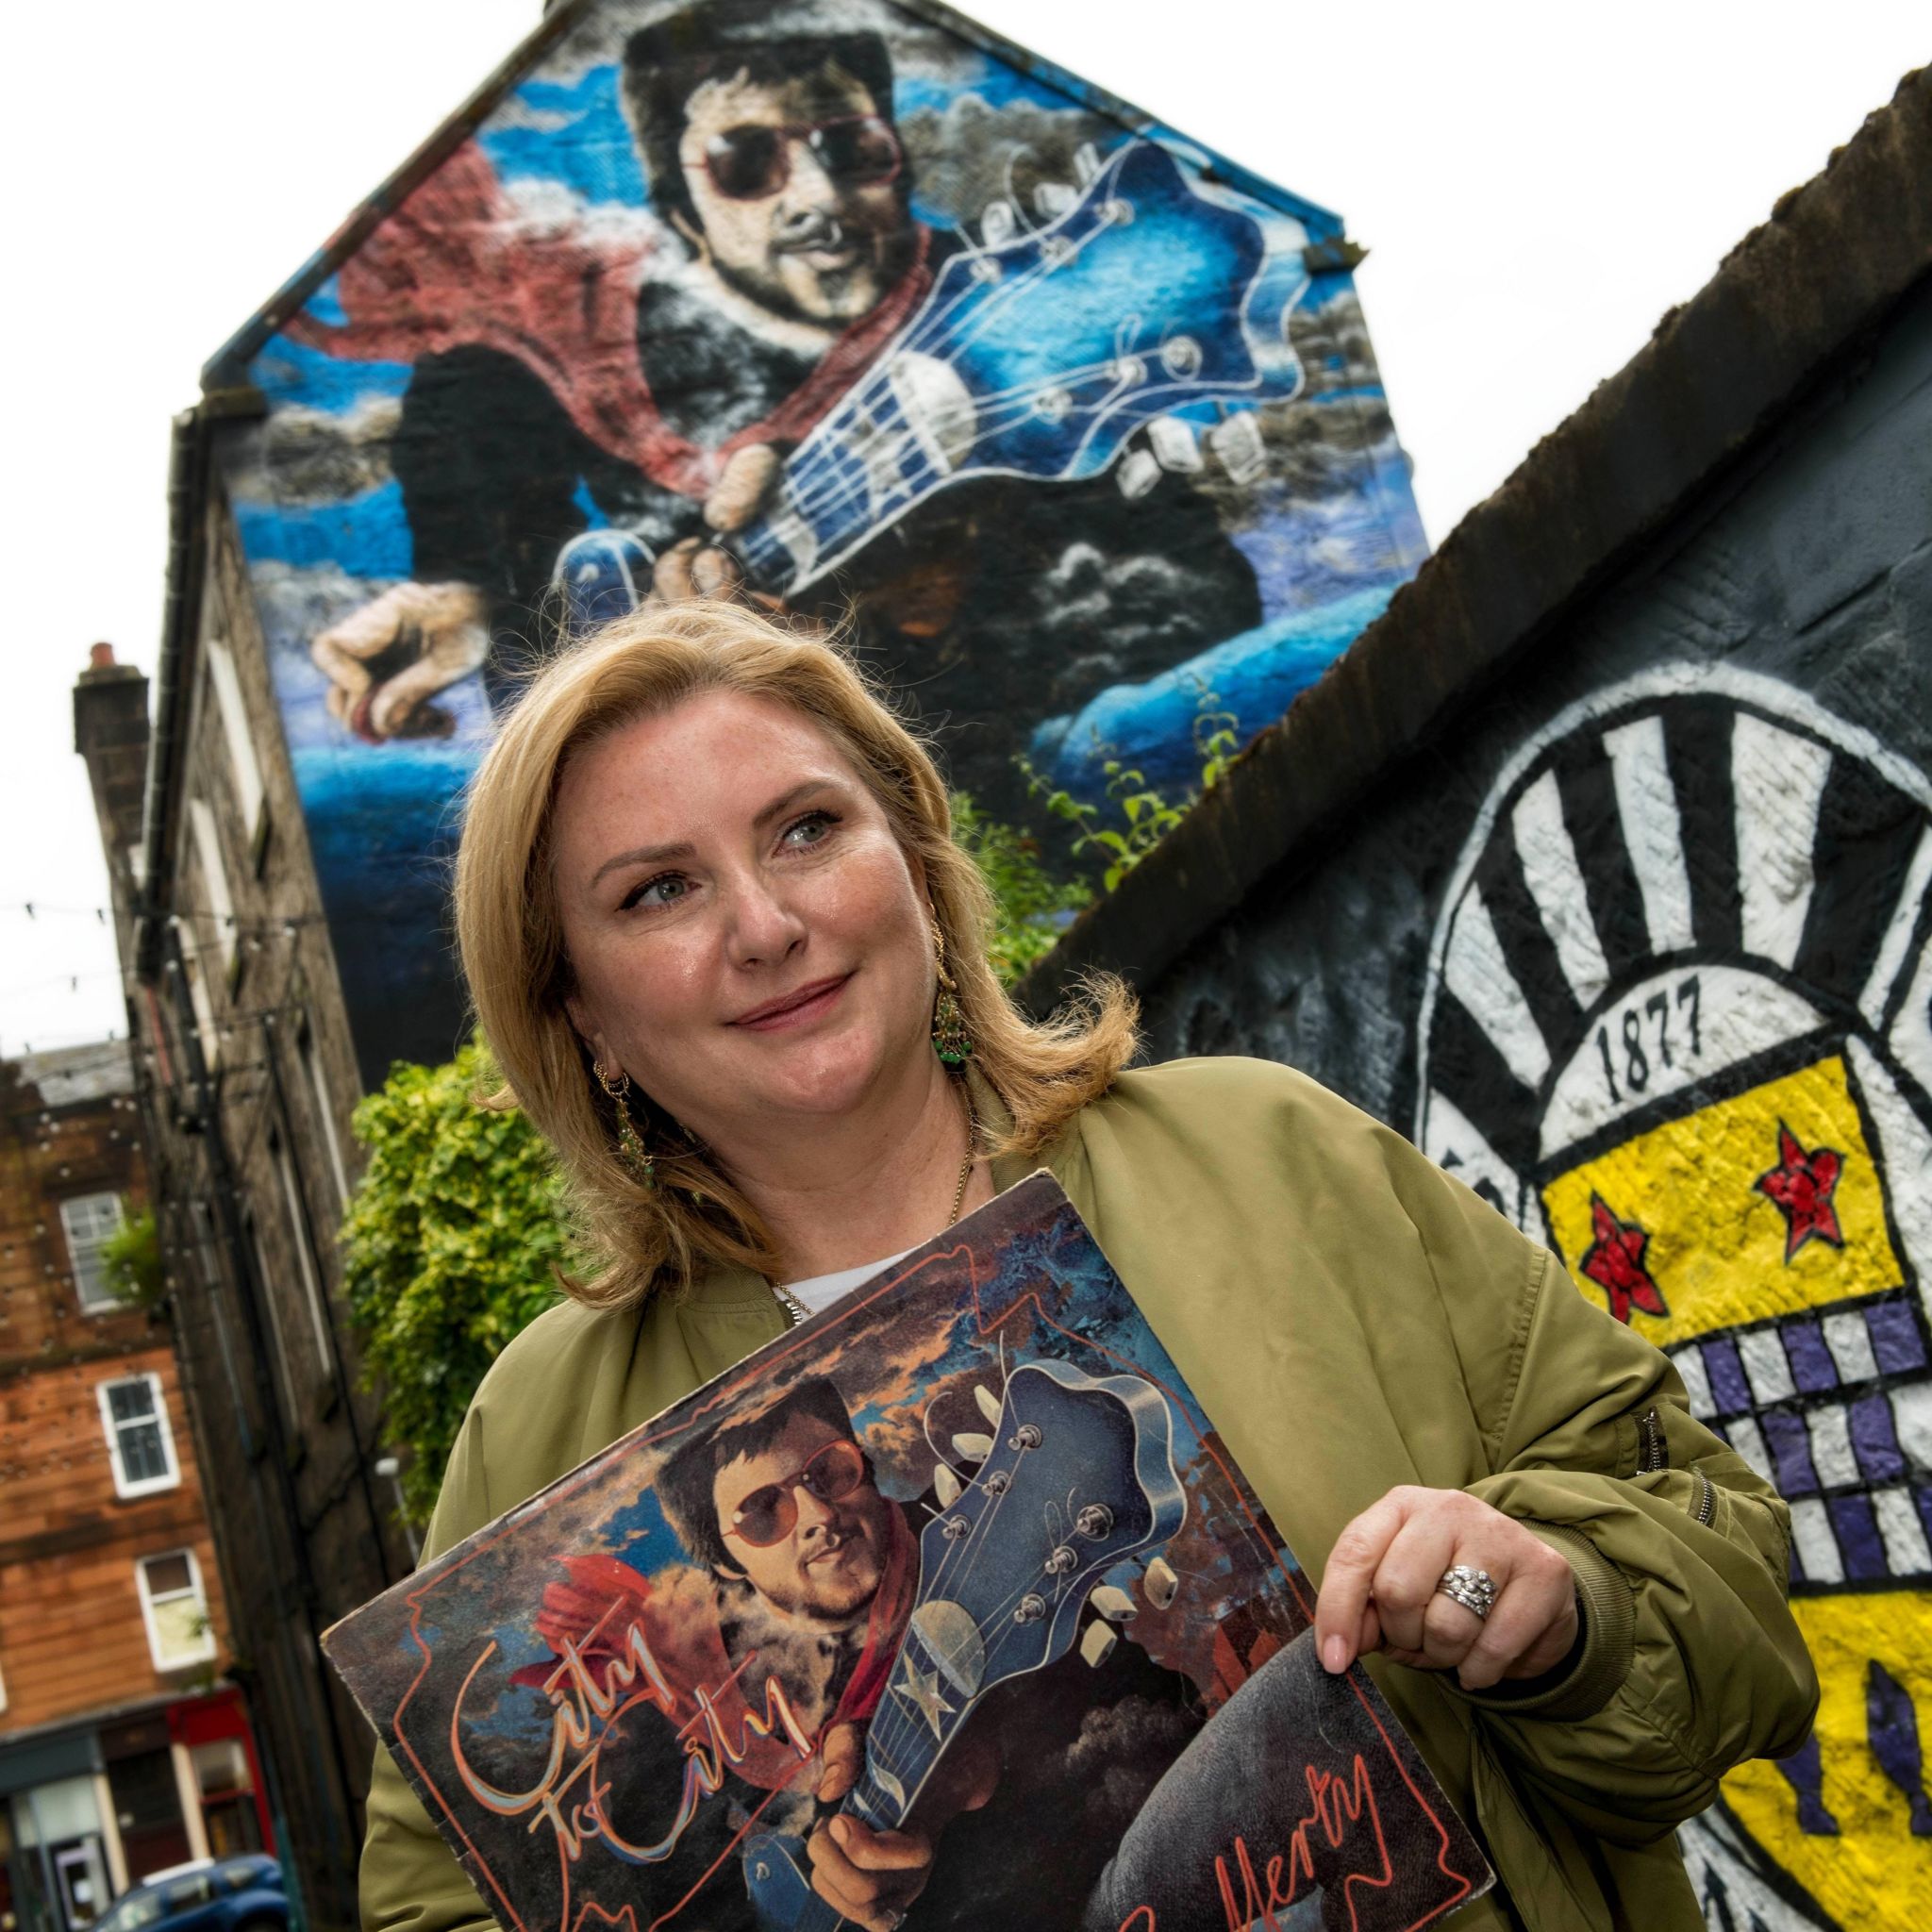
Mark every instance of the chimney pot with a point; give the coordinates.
(100, 657)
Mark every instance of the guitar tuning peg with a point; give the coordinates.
(1086, 162)
(1238, 443)
(997, 222)
(1097, 1642)
(1175, 446)
(989, 1403)
(1160, 1585)
(1139, 472)
(945, 1485)
(973, 1448)
(1052, 199)
(1112, 1603)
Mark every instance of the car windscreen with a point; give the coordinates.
(238, 1875)
(132, 1914)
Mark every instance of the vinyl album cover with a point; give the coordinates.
(961, 1563)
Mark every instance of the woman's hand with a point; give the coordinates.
(871, 1877)
(1378, 1591)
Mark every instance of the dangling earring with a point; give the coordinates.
(950, 1038)
(630, 1147)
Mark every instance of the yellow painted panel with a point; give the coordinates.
(1716, 1243)
(1875, 1874)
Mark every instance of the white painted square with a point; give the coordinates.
(1831, 1446)
(1747, 1439)
(1765, 1367)
(1689, 1362)
(1911, 1416)
(1906, 1550)
(1817, 1546)
(1849, 1342)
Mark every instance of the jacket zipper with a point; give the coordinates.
(1654, 1453)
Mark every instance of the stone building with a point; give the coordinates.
(246, 1082)
(125, 1744)
(1602, 867)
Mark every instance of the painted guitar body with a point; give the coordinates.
(1150, 297)
(1081, 1478)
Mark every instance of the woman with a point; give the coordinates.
(730, 960)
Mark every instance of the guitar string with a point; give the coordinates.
(1022, 285)
(1002, 296)
(841, 491)
(908, 1722)
(1006, 1629)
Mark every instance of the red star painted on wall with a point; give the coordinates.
(1615, 1262)
(1803, 1184)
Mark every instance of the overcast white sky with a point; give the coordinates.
(1538, 183)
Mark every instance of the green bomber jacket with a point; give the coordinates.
(1351, 1317)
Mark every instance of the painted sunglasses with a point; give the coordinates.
(754, 161)
(770, 1513)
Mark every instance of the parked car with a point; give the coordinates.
(241, 1894)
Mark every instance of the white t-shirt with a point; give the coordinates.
(820, 1291)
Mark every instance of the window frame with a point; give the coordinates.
(111, 1427)
(195, 1588)
(109, 1303)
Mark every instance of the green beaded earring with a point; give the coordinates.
(630, 1147)
(950, 1038)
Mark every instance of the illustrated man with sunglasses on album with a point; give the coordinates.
(771, 154)
(806, 1573)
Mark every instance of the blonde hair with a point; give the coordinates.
(647, 1238)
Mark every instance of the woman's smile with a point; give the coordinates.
(799, 1008)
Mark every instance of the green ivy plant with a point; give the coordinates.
(132, 1257)
(1136, 818)
(1033, 906)
(451, 1246)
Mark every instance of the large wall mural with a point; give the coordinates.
(1678, 1024)
(829, 302)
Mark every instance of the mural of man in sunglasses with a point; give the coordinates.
(658, 393)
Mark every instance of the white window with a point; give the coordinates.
(214, 876)
(87, 1220)
(325, 1113)
(175, 1610)
(221, 672)
(204, 1008)
(134, 1415)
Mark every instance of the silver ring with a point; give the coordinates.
(1474, 1589)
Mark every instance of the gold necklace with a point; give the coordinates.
(797, 1310)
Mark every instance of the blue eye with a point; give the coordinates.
(665, 890)
(811, 829)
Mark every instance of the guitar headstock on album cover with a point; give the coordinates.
(967, 1537)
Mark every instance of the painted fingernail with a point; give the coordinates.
(1335, 1654)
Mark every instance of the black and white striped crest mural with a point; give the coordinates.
(1678, 1024)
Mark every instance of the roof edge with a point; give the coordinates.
(228, 366)
(1570, 514)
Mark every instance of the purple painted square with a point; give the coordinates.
(1725, 1373)
(1812, 1367)
(1895, 1342)
(1875, 1440)
(1790, 1452)
(1859, 1540)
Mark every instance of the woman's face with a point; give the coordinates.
(748, 938)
